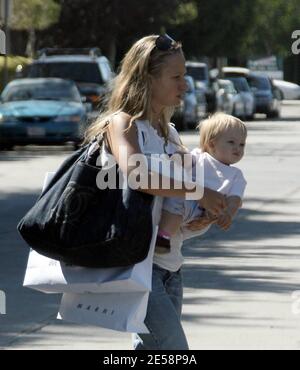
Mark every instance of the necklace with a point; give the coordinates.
(158, 129)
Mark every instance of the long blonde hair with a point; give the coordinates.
(130, 91)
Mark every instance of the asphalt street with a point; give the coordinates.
(240, 286)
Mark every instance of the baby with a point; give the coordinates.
(222, 144)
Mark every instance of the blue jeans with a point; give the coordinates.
(163, 318)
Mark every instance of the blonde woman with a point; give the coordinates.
(137, 117)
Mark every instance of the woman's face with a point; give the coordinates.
(169, 88)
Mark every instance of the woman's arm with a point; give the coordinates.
(121, 141)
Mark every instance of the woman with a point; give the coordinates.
(146, 90)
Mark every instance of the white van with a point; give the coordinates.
(199, 72)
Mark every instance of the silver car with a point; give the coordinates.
(228, 99)
(192, 108)
(242, 87)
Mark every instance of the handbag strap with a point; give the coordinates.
(92, 156)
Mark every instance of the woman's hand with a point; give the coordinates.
(201, 223)
(224, 221)
(213, 202)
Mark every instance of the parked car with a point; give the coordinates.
(289, 90)
(200, 73)
(192, 108)
(41, 111)
(243, 88)
(267, 96)
(89, 69)
(229, 100)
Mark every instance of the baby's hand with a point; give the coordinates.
(224, 221)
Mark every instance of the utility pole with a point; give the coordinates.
(5, 11)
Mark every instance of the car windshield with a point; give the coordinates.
(77, 71)
(198, 73)
(259, 82)
(240, 84)
(228, 87)
(41, 91)
(190, 85)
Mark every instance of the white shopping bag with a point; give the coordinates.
(51, 276)
(116, 311)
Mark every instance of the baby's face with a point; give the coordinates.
(229, 148)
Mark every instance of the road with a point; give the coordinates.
(239, 285)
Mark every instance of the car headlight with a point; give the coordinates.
(4, 118)
(73, 118)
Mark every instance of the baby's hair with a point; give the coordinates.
(215, 125)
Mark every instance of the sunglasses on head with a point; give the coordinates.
(165, 43)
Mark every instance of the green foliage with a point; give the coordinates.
(85, 23)
(185, 13)
(12, 63)
(230, 28)
(275, 20)
(34, 14)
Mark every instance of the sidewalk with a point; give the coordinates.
(238, 285)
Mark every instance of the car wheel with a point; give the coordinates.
(250, 118)
(191, 125)
(274, 114)
(6, 147)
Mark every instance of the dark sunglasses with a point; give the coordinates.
(165, 43)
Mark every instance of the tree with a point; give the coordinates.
(216, 28)
(112, 25)
(275, 20)
(32, 15)
(213, 28)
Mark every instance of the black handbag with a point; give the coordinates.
(75, 222)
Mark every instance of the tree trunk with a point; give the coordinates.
(112, 51)
(30, 48)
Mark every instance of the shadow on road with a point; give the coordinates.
(237, 261)
(26, 309)
(241, 259)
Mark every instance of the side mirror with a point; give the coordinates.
(83, 99)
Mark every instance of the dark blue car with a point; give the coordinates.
(41, 111)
